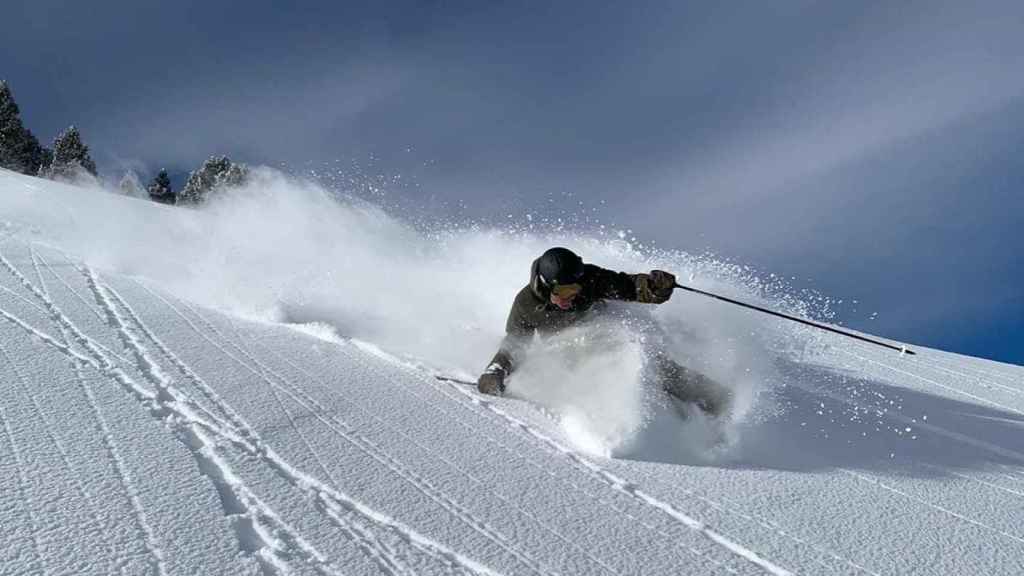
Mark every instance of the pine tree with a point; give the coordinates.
(19, 149)
(216, 173)
(70, 156)
(160, 189)
(36, 156)
(11, 131)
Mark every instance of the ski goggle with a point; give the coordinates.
(566, 290)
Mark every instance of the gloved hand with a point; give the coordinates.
(492, 382)
(662, 283)
(657, 287)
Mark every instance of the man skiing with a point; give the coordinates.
(562, 290)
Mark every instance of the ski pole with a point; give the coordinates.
(900, 349)
(455, 380)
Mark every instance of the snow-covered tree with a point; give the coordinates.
(160, 189)
(216, 173)
(19, 149)
(70, 157)
(130, 185)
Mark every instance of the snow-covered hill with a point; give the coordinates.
(249, 389)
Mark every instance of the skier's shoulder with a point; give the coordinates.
(526, 299)
(522, 317)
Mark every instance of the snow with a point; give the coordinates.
(249, 389)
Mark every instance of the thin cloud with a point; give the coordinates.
(270, 120)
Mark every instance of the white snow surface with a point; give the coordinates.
(249, 388)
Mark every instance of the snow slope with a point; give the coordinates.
(249, 389)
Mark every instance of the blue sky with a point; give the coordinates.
(869, 150)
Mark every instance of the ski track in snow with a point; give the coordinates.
(223, 477)
(979, 481)
(941, 509)
(39, 414)
(23, 483)
(526, 461)
(335, 505)
(290, 454)
(974, 397)
(953, 435)
(967, 369)
(982, 379)
(521, 457)
(69, 331)
(566, 541)
(933, 429)
(174, 408)
(365, 445)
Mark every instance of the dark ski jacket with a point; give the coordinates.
(532, 311)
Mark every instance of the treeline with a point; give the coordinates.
(69, 160)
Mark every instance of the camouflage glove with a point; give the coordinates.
(492, 382)
(655, 287)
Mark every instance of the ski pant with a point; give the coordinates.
(682, 383)
(692, 386)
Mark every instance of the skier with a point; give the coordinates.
(561, 291)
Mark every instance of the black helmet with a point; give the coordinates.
(556, 266)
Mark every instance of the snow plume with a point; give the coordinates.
(281, 250)
(590, 378)
(599, 381)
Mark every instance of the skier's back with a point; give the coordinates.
(562, 290)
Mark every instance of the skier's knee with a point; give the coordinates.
(693, 387)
